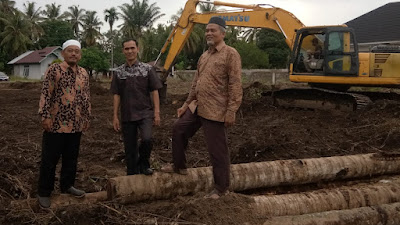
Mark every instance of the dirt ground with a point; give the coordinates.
(263, 132)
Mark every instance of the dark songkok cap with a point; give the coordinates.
(217, 20)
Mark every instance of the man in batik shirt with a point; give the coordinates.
(133, 85)
(214, 98)
(65, 110)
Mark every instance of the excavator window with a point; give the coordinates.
(311, 53)
(340, 54)
(327, 51)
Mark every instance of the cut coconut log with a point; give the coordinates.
(129, 189)
(388, 214)
(348, 197)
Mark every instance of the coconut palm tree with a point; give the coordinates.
(75, 16)
(6, 10)
(91, 26)
(111, 15)
(232, 34)
(33, 15)
(206, 7)
(53, 12)
(250, 34)
(7, 6)
(153, 40)
(138, 16)
(15, 37)
(196, 40)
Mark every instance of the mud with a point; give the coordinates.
(263, 132)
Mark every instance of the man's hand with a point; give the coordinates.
(229, 123)
(116, 125)
(229, 119)
(157, 120)
(181, 111)
(47, 124)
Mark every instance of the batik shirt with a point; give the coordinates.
(65, 98)
(134, 84)
(217, 88)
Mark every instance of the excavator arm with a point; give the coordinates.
(253, 16)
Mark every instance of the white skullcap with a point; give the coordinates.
(71, 42)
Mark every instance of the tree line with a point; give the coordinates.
(34, 27)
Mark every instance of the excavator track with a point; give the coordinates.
(318, 98)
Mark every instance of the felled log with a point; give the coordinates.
(348, 197)
(388, 214)
(60, 200)
(127, 189)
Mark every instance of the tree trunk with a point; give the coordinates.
(355, 196)
(388, 214)
(129, 189)
(112, 53)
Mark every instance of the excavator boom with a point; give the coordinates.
(252, 16)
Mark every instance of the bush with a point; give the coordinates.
(274, 44)
(94, 59)
(252, 56)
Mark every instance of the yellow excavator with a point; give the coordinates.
(325, 57)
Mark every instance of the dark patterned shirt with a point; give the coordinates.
(134, 85)
(65, 98)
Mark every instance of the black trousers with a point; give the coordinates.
(54, 146)
(217, 144)
(137, 159)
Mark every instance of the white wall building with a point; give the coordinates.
(33, 64)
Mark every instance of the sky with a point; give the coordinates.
(310, 12)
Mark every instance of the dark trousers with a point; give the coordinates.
(215, 134)
(137, 160)
(54, 146)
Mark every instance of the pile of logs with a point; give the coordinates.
(358, 204)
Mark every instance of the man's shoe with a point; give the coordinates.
(44, 202)
(75, 192)
(147, 171)
(169, 168)
(181, 171)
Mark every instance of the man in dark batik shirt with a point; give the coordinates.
(64, 109)
(132, 85)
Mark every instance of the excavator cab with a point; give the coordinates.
(323, 57)
(326, 51)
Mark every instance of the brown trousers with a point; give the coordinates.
(215, 134)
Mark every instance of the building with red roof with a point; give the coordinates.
(33, 64)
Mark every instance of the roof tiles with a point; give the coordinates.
(379, 25)
(36, 56)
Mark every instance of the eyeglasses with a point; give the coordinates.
(71, 50)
